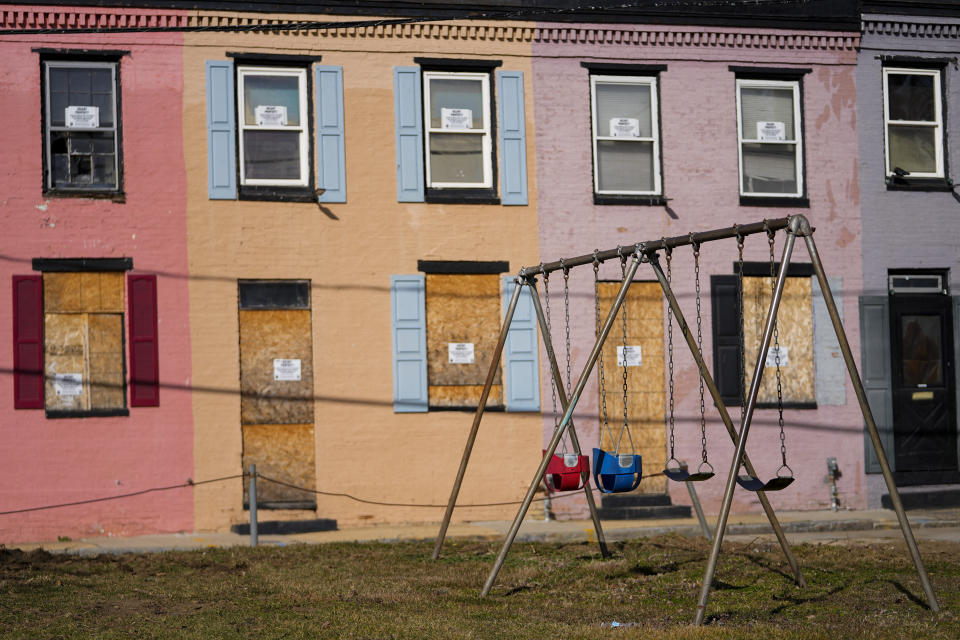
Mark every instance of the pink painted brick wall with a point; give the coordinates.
(700, 177)
(45, 461)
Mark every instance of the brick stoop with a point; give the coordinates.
(640, 506)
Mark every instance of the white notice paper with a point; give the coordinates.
(456, 118)
(767, 131)
(82, 117)
(629, 353)
(624, 127)
(68, 384)
(286, 369)
(772, 356)
(460, 352)
(270, 116)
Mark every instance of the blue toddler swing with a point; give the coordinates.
(614, 472)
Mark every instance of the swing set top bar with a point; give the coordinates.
(801, 227)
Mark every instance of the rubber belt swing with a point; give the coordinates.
(675, 469)
(784, 477)
(614, 472)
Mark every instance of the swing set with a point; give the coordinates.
(614, 472)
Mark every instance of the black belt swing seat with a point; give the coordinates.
(784, 477)
(675, 469)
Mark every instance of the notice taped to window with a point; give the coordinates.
(629, 354)
(772, 356)
(270, 115)
(771, 131)
(68, 384)
(456, 118)
(82, 117)
(287, 369)
(460, 352)
(624, 128)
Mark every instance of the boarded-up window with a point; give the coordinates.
(795, 328)
(463, 323)
(83, 342)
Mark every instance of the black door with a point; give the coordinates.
(924, 401)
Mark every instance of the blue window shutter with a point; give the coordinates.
(331, 160)
(221, 131)
(513, 139)
(520, 353)
(409, 122)
(875, 372)
(830, 371)
(409, 322)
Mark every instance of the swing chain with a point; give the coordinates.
(623, 312)
(566, 316)
(776, 348)
(703, 419)
(596, 314)
(742, 367)
(668, 253)
(553, 354)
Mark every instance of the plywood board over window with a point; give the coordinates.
(83, 328)
(462, 308)
(795, 327)
(645, 386)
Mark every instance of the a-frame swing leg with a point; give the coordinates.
(807, 233)
(555, 440)
(725, 417)
(744, 430)
(478, 416)
(558, 383)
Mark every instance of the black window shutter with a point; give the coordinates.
(725, 308)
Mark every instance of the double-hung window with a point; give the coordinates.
(457, 129)
(626, 140)
(770, 138)
(272, 117)
(81, 127)
(913, 122)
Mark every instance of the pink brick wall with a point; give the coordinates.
(45, 461)
(700, 175)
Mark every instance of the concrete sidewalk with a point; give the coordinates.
(801, 526)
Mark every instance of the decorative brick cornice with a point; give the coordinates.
(893, 26)
(32, 18)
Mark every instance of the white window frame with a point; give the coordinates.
(485, 132)
(242, 127)
(47, 127)
(797, 140)
(650, 81)
(937, 124)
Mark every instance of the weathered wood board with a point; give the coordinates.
(266, 335)
(284, 452)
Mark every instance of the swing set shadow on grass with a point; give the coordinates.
(614, 472)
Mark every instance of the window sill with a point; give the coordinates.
(462, 196)
(277, 194)
(116, 196)
(895, 183)
(93, 413)
(643, 201)
(787, 405)
(470, 409)
(774, 201)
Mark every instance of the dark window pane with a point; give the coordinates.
(456, 157)
(271, 155)
(80, 87)
(769, 168)
(921, 351)
(913, 148)
(274, 294)
(82, 160)
(274, 91)
(911, 97)
(625, 166)
(450, 93)
(81, 169)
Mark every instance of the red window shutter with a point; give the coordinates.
(28, 342)
(144, 350)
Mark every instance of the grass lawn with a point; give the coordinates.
(544, 591)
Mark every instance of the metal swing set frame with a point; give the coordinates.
(796, 226)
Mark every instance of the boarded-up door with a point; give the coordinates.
(276, 390)
(645, 387)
